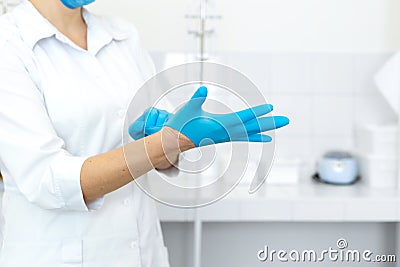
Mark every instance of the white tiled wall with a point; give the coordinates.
(268, 25)
(326, 95)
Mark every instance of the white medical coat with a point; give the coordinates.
(60, 104)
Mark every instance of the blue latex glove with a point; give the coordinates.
(150, 122)
(204, 128)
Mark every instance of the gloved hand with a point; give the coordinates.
(150, 122)
(204, 128)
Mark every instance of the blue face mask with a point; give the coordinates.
(76, 3)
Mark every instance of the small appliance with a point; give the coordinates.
(337, 167)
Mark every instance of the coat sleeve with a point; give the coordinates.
(32, 156)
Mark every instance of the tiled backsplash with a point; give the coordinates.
(324, 94)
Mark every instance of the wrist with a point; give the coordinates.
(164, 147)
(175, 139)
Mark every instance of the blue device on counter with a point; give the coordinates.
(338, 168)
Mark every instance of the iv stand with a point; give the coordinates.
(198, 224)
(4, 6)
(202, 34)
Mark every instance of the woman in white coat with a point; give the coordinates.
(66, 78)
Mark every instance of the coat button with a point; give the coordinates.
(133, 244)
(127, 202)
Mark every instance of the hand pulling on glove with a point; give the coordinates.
(204, 128)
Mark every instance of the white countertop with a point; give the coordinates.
(307, 201)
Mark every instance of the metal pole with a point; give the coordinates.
(5, 6)
(397, 245)
(203, 20)
(198, 229)
(198, 225)
(397, 69)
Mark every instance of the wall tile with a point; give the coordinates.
(333, 73)
(372, 108)
(299, 110)
(328, 143)
(311, 210)
(158, 60)
(261, 210)
(223, 58)
(365, 67)
(325, 95)
(333, 115)
(371, 209)
(292, 146)
(291, 73)
(256, 66)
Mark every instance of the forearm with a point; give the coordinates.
(104, 173)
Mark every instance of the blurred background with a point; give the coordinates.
(316, 61)
(331, 67)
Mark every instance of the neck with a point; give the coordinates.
(68, 21)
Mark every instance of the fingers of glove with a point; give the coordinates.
(200, 93)
(198, 98)
(254, 112)
(151, 117)
(143, 116)
(265, 124)
(136, 130)
(162, 117)
(279, 121)
(260, 138)
(152, 130)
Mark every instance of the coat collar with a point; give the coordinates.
(34, 27)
